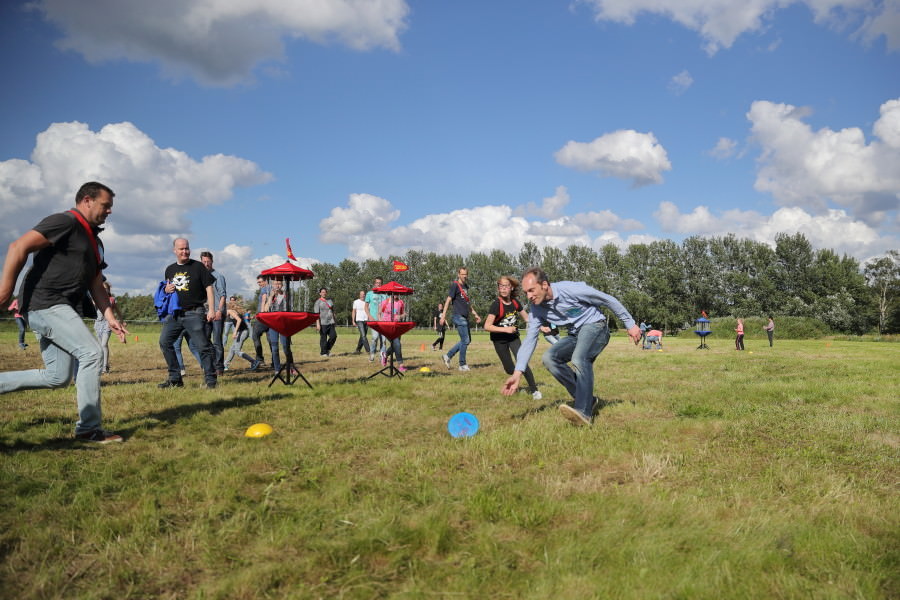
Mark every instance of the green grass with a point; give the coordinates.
(708, 474)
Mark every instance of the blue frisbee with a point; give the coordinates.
(463, 425)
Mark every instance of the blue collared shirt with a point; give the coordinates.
(574, 304)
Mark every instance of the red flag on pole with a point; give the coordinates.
(399, 266)
(290, 253)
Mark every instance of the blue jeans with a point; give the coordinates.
(582, 349)
(193, 322)
(176, 345)
(363, 340)
(462, 327)
(274, 338)
(379, 342)
(236, 348)
(63, 339)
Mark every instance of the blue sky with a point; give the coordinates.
(361, 129)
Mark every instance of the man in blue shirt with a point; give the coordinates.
(577, 306)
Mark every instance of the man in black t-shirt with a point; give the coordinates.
(67, 265)
(458, 297)
(194, 285)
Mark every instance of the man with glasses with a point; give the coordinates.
(68, 263)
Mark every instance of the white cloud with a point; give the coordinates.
(550, 208)
(802, 167)
(219, 41)
(625, 154)
(721, 22)
(724, 148)
(155, 187)
(479, 229)
(834, 229)
(680, 83)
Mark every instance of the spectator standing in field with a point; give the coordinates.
(20, 322)
(68, 263)
(214, 327)
(228, 323)
(576, 306)
(373, 308)
(458, 297)
(739, 338)
(441, 328)
(259, 328)
(502, 323)
(770, 330)
(101, 325)
(644, 327)
(393, 309)
(326, 323)
(194, 285)
(360, 316)
(276, 301)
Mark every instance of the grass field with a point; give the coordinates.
(771, 473)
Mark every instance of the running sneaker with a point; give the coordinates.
(446, 360)
(98, 436)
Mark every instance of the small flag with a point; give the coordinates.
(399, 266)
(290, 253)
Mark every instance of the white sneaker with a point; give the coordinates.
(446, 360)
(537, 395)
(464, 368)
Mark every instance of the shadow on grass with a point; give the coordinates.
(149, 420)
(554, 404)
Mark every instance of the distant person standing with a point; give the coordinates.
(441, 328)
(739, 338)
(458, 297)
(259, 328)
(770, 330)
(194, 285)
(502, 323)
(215, 327)
(68, 263)
(276, 301)
(20, 322)
(326, 323)
(360, 316)
(393, 309)
(373, 308)
(101, 326)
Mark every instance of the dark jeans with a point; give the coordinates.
(739, 342)
(771, 335)
(327, 337)
(507, 351)
(439, 342)
(215, 329)
(395, 349)
(259, 328)
(193, 322)
(20, 323)
(363, 339)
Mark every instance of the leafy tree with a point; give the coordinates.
(883, 276)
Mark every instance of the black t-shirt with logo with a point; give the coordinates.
(63, 271)
(509, 318)
(191, 280)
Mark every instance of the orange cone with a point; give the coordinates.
(135, 338)
(422, 348)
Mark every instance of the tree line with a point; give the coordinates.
(665, 283)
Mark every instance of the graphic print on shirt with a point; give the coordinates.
(182, 282)
(508, 320)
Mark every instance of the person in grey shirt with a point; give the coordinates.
(576, 306)
(325, 324)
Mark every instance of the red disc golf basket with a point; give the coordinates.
(288, 322)
(391, 329)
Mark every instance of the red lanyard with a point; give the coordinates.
(462, 292)
(90, 234)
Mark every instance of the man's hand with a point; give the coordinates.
(477, 320)
(119, 328)
(635, 334)
(210, 316)
(218, 315)
(511, 384)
